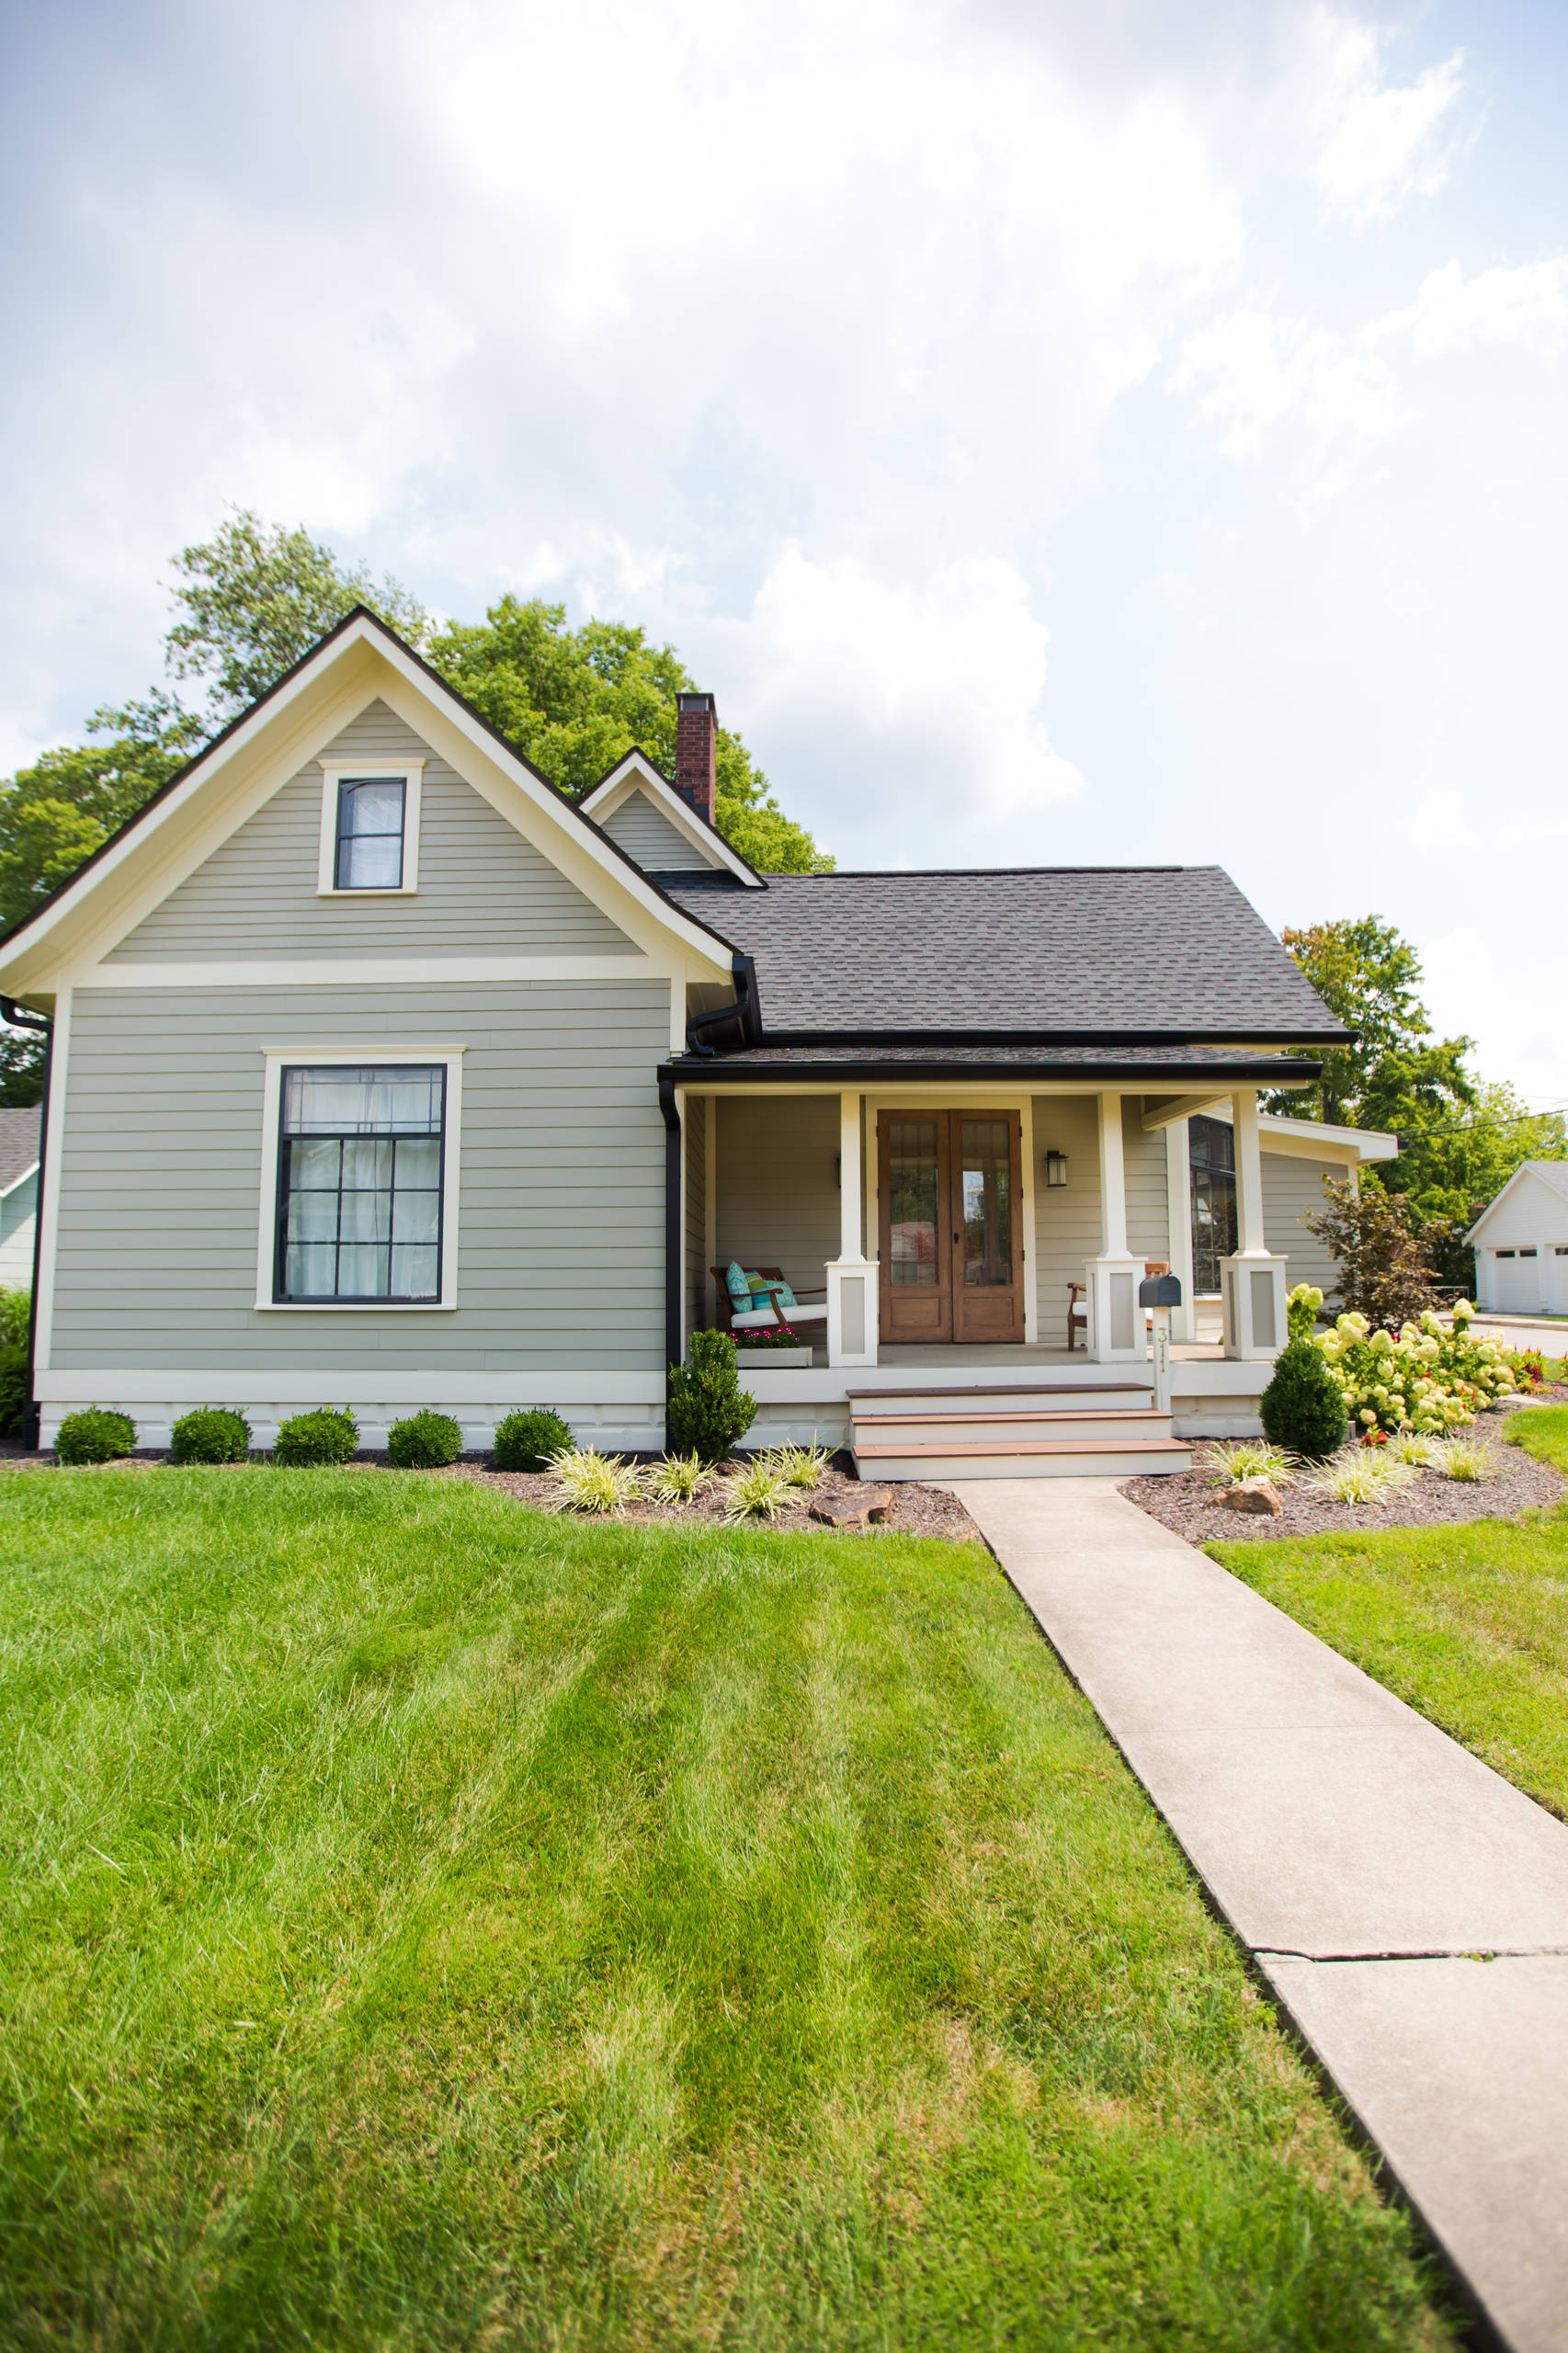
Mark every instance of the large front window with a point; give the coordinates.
(360, 1151)
(1213, 1158)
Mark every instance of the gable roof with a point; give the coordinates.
(18, 1144)
(1553, 1173)
(635, 772)
(362, 627)
(1062, 955)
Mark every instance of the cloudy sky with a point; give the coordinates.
(1058, 433)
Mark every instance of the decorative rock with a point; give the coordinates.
(855, 1510)
(1258, 1495)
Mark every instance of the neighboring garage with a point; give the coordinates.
(1521, 1243)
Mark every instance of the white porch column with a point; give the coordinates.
(852, 1276)
(1253, 1280)
(1115, 1333)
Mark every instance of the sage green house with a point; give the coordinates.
(383, 1073)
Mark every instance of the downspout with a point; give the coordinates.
(743, 1009)
(673, 1317)
(23, 1017)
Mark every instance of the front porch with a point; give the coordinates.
(972, 1230)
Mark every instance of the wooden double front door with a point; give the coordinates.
(951, 1239)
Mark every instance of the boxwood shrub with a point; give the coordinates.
(13, 1387)
(526, 1441)
(326, 1436)
(94, 1437)
(426, 1442)
(212, 1434)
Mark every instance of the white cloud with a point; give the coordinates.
(930, 685)
(1249, 372)
(1372, 143)
(1526, 306)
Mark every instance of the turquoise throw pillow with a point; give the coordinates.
(736, 1282)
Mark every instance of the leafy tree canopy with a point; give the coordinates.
(254, 598)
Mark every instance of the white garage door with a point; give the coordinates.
(1555, 1283)
(1517, 1281)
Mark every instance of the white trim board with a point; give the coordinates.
(49, 1207)
(274, 1060)
(364, 1385)
(335, 772)
(371, 971)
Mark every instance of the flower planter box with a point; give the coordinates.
(778, 1358)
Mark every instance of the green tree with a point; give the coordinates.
(254, 598)
(574, 700)
(1368, 974)
(1452, 1165)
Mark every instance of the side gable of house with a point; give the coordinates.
(481, 883)
(645, 833)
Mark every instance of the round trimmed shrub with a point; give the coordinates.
(94, 1437)
(210, 1434)
(527, 1441)
(1302, 1408)
(426, 1442)
(326, 1436)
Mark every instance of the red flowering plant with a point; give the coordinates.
(770, 1336)
(1374, 1437)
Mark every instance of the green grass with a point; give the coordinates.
(1468, 1624)
(428, 1924)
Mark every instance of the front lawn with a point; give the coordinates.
(1470, 1624)
(428, 1924)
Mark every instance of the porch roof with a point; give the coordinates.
(1056, 955)
(837, 1067)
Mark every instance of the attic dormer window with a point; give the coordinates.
(369, 836)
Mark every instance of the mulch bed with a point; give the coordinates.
(915, 1510)
(1187, 1502)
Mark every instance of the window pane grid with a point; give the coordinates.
(370, 833)
(360, 1184)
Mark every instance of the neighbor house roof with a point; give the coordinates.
(18, 1144)
(1062, 955)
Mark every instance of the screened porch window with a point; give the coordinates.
(360, 1154)
(370, 833)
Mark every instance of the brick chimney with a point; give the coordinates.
(697, 749)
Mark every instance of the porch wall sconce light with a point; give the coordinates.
(1056, 1168)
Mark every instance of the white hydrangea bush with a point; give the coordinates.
(1429, 1379)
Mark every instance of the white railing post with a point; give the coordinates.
(1114, 1332)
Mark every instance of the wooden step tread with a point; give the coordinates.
(1130, 1417)
(1031, 1446)
(1022, 1389)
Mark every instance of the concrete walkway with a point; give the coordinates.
(1408, 1907)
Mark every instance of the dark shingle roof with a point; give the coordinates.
(19, 1144)
(1051, 952)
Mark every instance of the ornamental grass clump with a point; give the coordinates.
(756, 1492)
(308, 1441)
(1419, 1448)
(594, 1482)
(212, 1434)
(677, 1479)
(424, 1441)
(1253, 1458)
(798, 1466)
(1362, 1477)
(531, 1440)
(1464, 1459)
(95, 1436)
(708, 1409)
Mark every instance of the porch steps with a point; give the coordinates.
(1108, 1431)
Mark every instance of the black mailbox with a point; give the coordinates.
(1159, 1291)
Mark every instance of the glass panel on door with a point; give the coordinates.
(985, 1196)
(912, 1202)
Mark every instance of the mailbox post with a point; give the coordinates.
(1161, 1292)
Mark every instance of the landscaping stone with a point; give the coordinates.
(843, 1511)
(1254, 1495)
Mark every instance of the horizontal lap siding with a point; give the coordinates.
(1067, 1217)
(1292, 1190)
(483, 889)
(1148, 1205)
(778, 1193)
(645, 833)
(696, 1209)
(561, 1189)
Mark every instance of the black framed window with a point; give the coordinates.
(1212, 1149)
(370, 833)
(361, 1155)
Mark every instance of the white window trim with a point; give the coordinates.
(274, 1061)
(411, 772)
